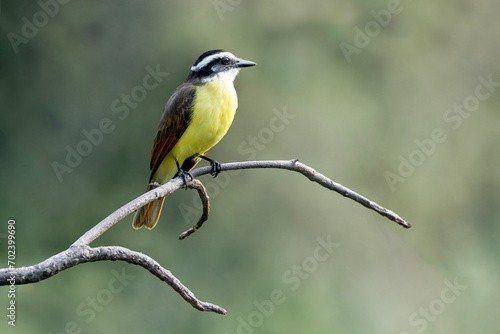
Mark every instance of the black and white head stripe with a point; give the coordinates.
(216, 65)
(208, 57)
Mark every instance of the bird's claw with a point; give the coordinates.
(216, 168)
(184, 176)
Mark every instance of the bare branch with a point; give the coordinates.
(176, 183)
(311, 174)
(80, 252)
(127, 209)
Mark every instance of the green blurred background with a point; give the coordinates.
(355, 115)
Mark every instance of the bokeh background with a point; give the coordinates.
(361, 82)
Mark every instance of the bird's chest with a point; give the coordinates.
(215, 106)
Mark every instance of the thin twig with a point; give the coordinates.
(205, 200)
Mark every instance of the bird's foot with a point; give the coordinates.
(184, 176)
(216, 167)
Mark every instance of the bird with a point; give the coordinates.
(195, 118)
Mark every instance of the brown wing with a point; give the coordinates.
(174, 121)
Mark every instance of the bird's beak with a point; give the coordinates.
(244, 63)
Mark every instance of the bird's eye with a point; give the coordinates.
(225, 60)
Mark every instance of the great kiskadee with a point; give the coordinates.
(195, 118)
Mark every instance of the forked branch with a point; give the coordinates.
(81, 252)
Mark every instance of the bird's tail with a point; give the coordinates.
(149, 214)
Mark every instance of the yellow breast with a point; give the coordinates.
(214, 108)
